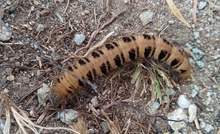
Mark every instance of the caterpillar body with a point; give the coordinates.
(114, 54)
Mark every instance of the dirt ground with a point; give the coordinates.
(23, 69)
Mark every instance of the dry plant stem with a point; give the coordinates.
(26, 120)
(110, 123)
(99, 44)
(197, 125)
(53, 32)
(97, 31)
(194, 13)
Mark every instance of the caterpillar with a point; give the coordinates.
(114, 54)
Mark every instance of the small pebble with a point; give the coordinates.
(6, 90)
(79, 38)
(183, 102)
(4, 34)
(192, 112)
(153, 107)
(202, 5)
(86, 12)
(146, 17)
(202, 123)
(197, 53)
(43, 92)
(95, 101)
(40, 28)
(10, 78)
(91, 131)
(192, 62)
(200, 64)
(68, 115)
(26, 80)
(194, 89)
(104, 126)
(196, 35)
(171, 22)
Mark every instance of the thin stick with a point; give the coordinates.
(97, 31)
(21, 67)
(67, 5)
(194, 13)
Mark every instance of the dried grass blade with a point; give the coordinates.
(177, 13)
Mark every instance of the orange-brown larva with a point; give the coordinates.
(114, 54)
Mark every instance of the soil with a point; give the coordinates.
(22, 68)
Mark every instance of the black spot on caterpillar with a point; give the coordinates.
(114, 54)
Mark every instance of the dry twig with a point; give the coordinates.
(97, 31)
(194, 13)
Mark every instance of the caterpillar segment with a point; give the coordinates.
(114, 54)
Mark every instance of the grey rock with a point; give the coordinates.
(146, 17)
(68, 115)
(200, 64)
(202, 5)
(183, 102)
(12, 9)
(40, 28)
(192, 112)
(197, 53)
(79, 38)
(43, 92)
(104, 126)
(194, 89)
(178, 114)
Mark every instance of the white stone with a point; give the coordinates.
(192, 112)
(183, 102)
(202, 5)
(68, 115)
(178, 114)
(209, 127)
